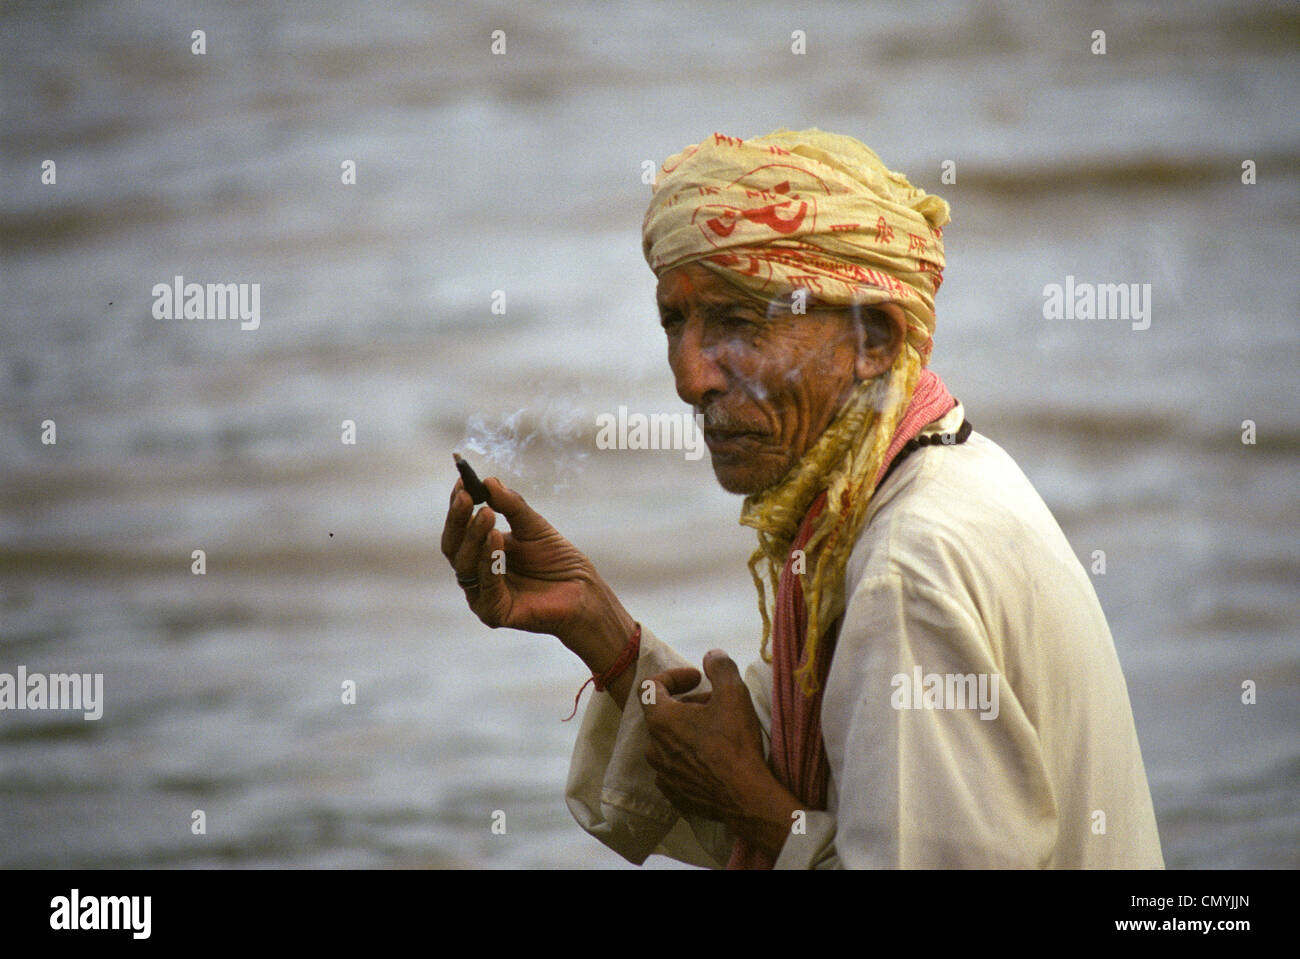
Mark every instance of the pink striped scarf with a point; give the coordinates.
(798, 754)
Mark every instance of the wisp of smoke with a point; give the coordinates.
(552, 429)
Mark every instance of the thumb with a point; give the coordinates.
(722, 670)
(525, 522)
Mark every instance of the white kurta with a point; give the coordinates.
(962, 571)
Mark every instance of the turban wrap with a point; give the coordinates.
(810, 210)
(820, 213)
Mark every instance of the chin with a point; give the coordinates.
(745, 479)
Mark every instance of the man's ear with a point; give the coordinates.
(882, 330)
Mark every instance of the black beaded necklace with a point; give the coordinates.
(931, 439)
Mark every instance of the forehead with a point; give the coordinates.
(695, 283)
(695, 286)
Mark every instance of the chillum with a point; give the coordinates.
(473, 485)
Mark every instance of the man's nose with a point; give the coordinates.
(695, 365)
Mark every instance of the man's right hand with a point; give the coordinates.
(547, 586)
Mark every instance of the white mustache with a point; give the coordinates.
(718, 419)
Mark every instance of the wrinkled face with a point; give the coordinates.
(768, 382)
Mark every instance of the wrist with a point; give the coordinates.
(600, 632)
(766, 822)
(603, 638)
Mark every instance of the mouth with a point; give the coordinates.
(727, 446)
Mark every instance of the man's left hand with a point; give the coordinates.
(707, 750)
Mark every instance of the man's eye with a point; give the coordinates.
(737, 321)
(670, 321)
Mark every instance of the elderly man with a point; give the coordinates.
(941, 689)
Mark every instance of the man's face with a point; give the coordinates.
(768, 386)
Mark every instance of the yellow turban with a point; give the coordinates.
(807, 210)
(818, 212)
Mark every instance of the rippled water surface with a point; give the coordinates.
(522, 173)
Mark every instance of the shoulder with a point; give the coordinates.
(958, 519)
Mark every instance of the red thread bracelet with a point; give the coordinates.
(605, 679)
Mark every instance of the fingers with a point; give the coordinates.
(493, 596)
(695, 698)
(680, 679)
(664, 716)
(468, 559)
(655, 703)
(459, 511)
(524, 521)
(679, 684)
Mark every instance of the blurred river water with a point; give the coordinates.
(521, 173)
